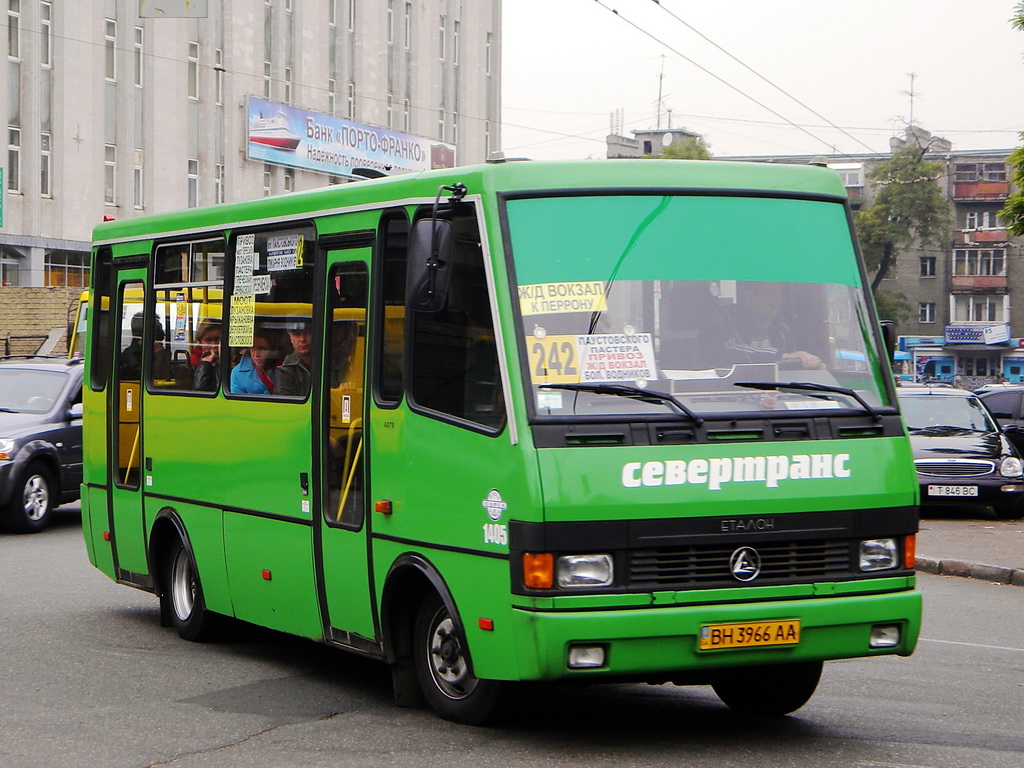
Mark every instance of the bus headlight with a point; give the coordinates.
(585, 571)
(6, 448)
(1011, 466)
(879, 554)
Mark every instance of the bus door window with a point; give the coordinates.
(454, 354)
(189, 284)
(129, 376)
(270, 328)
(344, 367)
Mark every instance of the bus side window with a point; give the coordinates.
(102, 330)
(270, 326)
(189, 283)
(454, 354)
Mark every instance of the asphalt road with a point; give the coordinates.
(89, 678)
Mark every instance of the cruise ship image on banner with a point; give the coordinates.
(274, 132)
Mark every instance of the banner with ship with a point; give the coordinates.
(286, 135)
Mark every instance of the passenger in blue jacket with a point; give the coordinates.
(254, 374)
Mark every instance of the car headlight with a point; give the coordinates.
(585, 571)
(6, 448)
(1011, 466)
(879, 554)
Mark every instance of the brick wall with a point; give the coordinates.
(35, 312)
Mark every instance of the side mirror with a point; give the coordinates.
(75, 412)
(430, 249)
(889, 337)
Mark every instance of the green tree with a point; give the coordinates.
(1013, 211)
(909, 207)
(893, 305)
(690, 148)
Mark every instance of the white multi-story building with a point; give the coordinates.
(116, 108)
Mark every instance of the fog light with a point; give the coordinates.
(586, 656)
(878, 554)
(885, 636)
(1011, 488)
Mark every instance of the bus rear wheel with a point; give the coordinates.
(183, 596)
(768, 691)
(442, 667)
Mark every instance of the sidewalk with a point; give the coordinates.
(981, 549)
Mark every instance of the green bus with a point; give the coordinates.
(590, 422)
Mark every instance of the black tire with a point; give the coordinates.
(31, 506)
(769, 691)
(1009, 511)
(182, 597)
(442, 668)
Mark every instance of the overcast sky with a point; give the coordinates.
(569, 64)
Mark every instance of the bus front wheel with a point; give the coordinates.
(768, 691)
(183, 596)
(442, 667)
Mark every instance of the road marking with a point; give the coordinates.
(973, 645)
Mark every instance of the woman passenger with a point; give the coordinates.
(254, 374)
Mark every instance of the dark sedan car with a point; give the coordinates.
(963, 458)
(40, 439)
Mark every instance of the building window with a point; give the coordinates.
(14, 29)
(979, 172)
(46, 29)
(351, 99)
(266, 79)
(268, 179)
(13, 159)
(193, 183)
(137, 179)
(926, 312)
(287, 85)
(289, 179)
(193, 70)
(441, 33)
(977, 261)
(218, 183)
(67, 268)
(110, 43)
(978, 308)
(408, 26)
(927, 264)
(455, 44)
(137, 56)
(332, 96)
(488, 52)
(391, 22)
(44, 165)
(218, 76)
(109, 172)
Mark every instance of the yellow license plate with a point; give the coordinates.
(755, 634)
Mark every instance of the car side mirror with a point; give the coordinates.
(75, 412)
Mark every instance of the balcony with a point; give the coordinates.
(979, 283)
(979, 236)
(981, 190)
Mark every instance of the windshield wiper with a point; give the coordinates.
(630, 391)
(810, 386)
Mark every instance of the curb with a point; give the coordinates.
(997, 573)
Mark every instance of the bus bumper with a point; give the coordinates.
(658, 641)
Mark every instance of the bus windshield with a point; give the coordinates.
(717, 301)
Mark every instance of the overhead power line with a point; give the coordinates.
(750, 69)
(707, 71)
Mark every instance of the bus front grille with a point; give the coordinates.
(709, 565)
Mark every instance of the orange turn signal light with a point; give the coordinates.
(909, 551)
(538, 570)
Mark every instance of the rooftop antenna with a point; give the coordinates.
(661, 79)
(911, 93)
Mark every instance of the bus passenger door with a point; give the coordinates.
(343, 549)
(124, 443)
